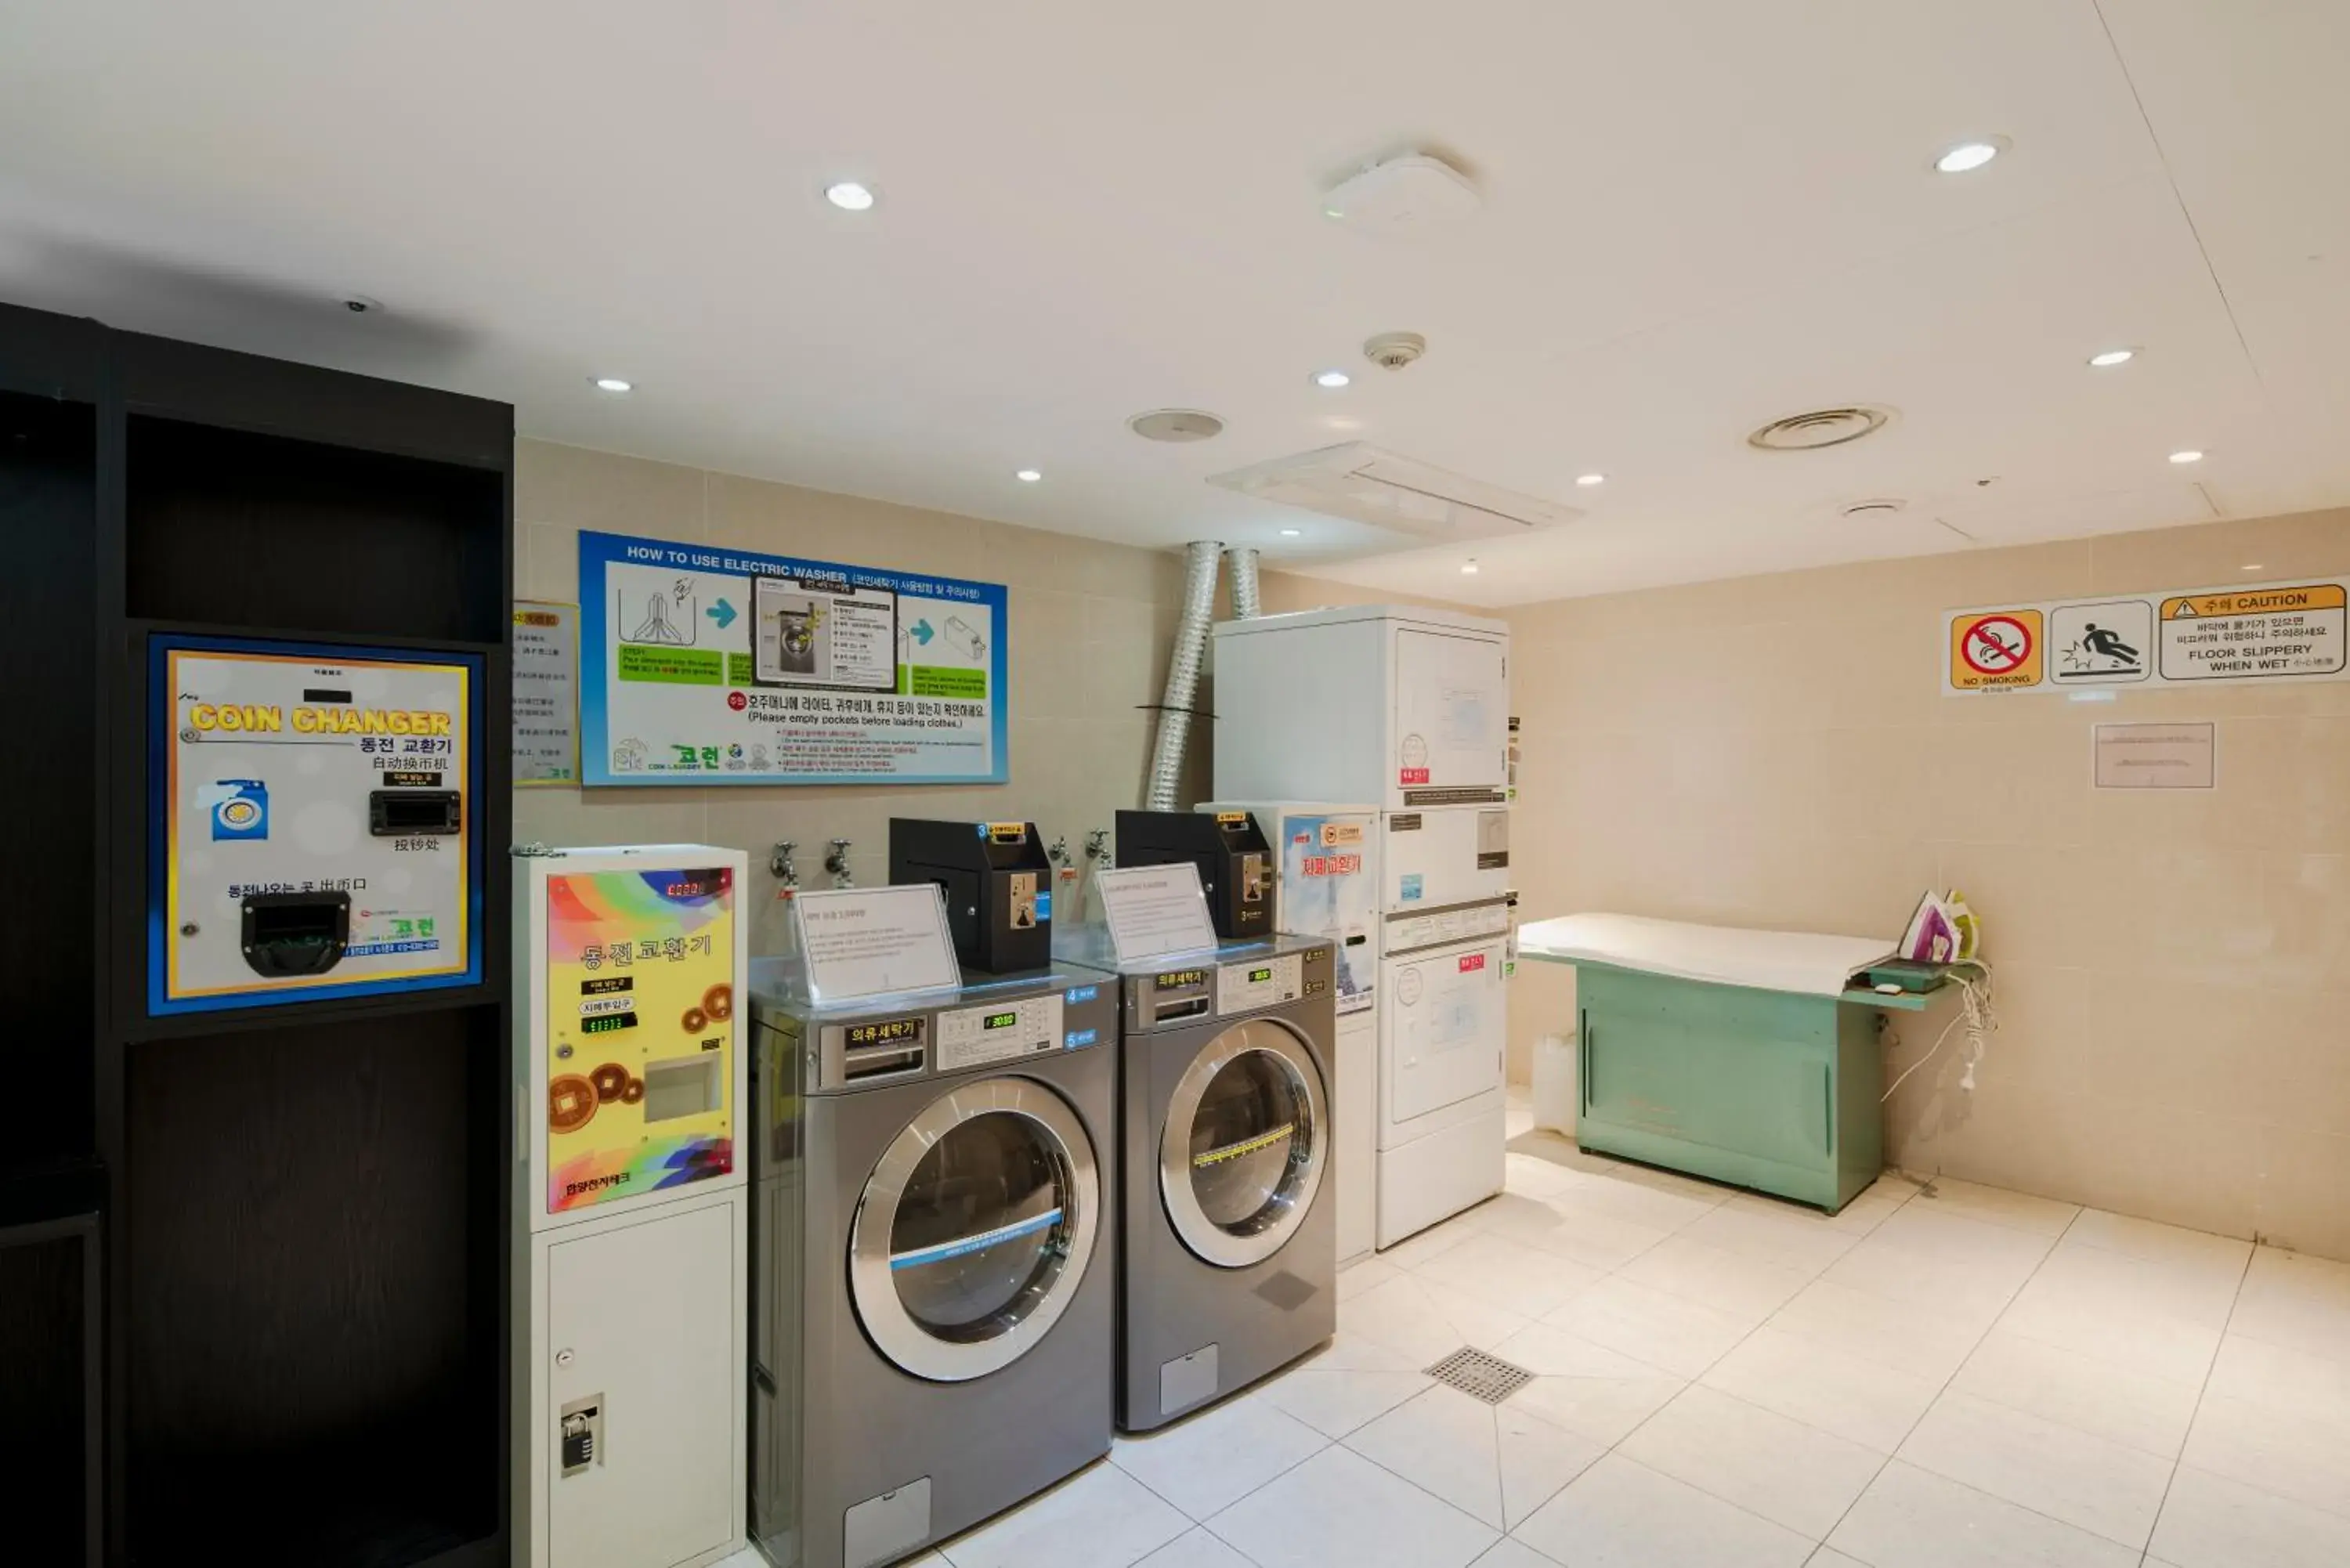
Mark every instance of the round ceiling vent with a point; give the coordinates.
(1175, 425)
(1821, 427)
(1876, 506)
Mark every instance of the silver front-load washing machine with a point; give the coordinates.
(931, 1293)
(1229, 1256)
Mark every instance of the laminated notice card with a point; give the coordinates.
(1155, 909)
(872, 941)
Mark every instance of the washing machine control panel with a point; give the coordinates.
(969, 1036)
(1256, 983)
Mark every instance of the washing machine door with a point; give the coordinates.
(1245, 1144)
(975, 1229)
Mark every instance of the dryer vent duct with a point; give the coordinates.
(1360, 481)
(1247, 604)
(1183, 674)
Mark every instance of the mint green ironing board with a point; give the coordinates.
(1774, 1090)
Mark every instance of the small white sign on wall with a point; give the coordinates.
(2157, 756)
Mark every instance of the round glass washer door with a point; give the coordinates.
(1245, 1144)
(972, 1234)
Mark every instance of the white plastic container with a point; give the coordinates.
(1554, 1083)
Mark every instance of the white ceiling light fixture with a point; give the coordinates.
(1966, 157)
(613, 384)
(1364, 483)
(1291, 533)
(849, 195)
(1331, 380)
(1470, 568)
(2105, 359)
(1028, 475)
(2254, 565)
(1588, 480)
(2187, 455)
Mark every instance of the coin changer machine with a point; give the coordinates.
(1395, 720)
(632, 1204)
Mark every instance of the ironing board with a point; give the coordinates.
(1744, 1056)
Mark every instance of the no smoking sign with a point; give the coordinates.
(1996, 649)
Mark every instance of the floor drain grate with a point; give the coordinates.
(1480, 1375)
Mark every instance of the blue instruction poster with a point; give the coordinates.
(707, 665)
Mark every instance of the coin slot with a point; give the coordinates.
(294, 933)
(404, 813)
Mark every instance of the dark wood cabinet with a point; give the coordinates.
(283, 1227)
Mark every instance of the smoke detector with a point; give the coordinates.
(1394, 350)
(1362, 482)
(1402, 198)
(1820, 428)
(1175, 425)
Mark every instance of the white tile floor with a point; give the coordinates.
(1958, 1378)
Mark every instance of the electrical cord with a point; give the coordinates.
(1974, 1013)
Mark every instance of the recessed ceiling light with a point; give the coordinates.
(1968, 156)
(2110, 357)
(1469, 570)
(2254, 565)
(850, 196)
(1291, 533)
(1331, 380)
(1028, 476)
(2188, 456)
(1588, 480)
(612, 384)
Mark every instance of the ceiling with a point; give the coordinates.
(1699, 215)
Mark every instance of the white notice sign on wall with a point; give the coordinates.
(2157, 756)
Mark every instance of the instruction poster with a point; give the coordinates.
(545, 693)
(2291, 630)
(708, 666)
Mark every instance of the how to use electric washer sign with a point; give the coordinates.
(312, 822)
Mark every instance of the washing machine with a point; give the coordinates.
(1229, 1259)
(933, 1306)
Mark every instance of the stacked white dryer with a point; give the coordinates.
(1405, 710)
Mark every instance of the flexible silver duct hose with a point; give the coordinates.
(1183, 674)
(1246, 605)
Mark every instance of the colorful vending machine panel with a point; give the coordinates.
(641, 1037)
(312, 821)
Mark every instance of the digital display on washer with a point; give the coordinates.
(607, 1022)
(889, 1031)
(1000, 1021)
(1180, 978)
(1259, 976)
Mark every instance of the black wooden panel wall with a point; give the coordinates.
(299, 1327)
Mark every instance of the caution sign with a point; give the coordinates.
(2109, 643)
(2175, 636)
(1996, 651)
(2254, 634)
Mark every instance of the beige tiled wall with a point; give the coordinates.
(1090, 628)
(2173, 969)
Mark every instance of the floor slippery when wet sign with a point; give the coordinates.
(2279, 631)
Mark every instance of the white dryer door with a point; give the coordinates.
(974, 1231)
(1245, 1144)
(1447, 1026)
(1451, 712)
